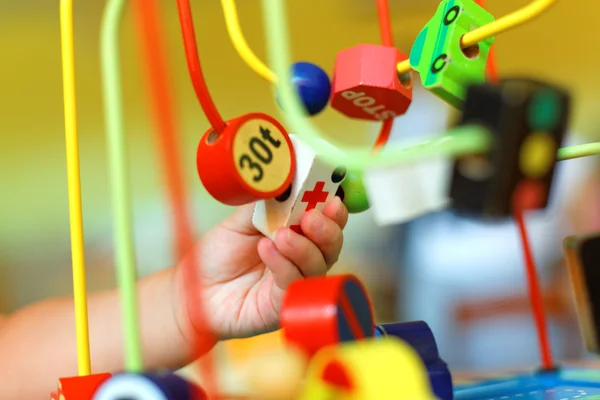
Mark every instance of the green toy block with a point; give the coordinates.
(445, 68)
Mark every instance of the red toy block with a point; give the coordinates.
(253, 159)
(366, 84)
(79, 387)
(318, 312)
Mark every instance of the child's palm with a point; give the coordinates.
(246, 274)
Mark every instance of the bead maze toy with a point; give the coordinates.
(504, 151)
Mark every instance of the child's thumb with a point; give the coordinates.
(241, 220)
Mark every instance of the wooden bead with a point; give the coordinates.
(445, 68)
(519, 170)
(383, 369)
(252, 159)
(323, 311)
(366, 84)
(79, 387)
(276, 374)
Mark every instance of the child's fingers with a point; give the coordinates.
(302, 252)
(325, 234)
(283, 270)
(337, 211)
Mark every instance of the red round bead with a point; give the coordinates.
(252, 159)
(318, 312)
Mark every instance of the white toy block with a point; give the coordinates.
(314, 185)
(400, 193)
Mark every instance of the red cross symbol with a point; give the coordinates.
(312, 198)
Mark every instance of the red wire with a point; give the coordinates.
(535, 293)
(150, 34)
(384, 134)
(193, 61)
(385, 29)
(490, 68)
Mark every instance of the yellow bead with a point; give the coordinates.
(537, 156)
(381, 369)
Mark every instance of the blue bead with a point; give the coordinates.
(418, 335)
(421, 338)
(313, 86)
(149, 386)
(176, 387)
(441, 380)
(379, 332)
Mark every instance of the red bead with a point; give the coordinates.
(253, 159)
(79, 387)
(366, 84)
(529, 195)
(318, 312)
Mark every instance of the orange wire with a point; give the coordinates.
(193, 61)
(151, 38)
(387, 39)
(490, 68)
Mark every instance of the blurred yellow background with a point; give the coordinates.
(560, 46)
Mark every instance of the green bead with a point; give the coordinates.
(445, 68)
(545, 111)
(354, 194)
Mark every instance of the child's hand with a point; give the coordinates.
(246, 274)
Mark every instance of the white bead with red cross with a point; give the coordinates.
(313, 187)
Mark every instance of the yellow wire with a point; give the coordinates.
(503, 24)
(512, 20)
(240, 44)
(74, 188)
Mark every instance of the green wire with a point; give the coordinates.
(458, 141)
(582, 150)
(121, 199)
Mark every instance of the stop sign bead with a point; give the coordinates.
(252, 159)
(366, 84)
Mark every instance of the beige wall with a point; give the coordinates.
(561, 46)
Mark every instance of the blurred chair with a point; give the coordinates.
(558, 307)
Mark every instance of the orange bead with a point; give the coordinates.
(253, 159)
(366, 84)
